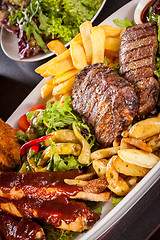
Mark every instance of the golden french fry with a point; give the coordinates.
(63, 87)
(60, 67)
(55, 98)
(121, 189)
(138, 143)
(87, 176)
(56, 46)
(63, 97)
(138, 157)
(145, 128)
(111, 173)
(65, 76)
(78, 39)
(123, 30)
(98, 45)
(116, 142)
(76, 182)
(46, 90)
(129, 169)
(86, 31)
(78, 55)
(43, 68)
(100, 166)
(111, 31)
(84, 157)
(104, 153)
(112, 44)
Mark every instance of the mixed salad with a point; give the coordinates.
(36, 22)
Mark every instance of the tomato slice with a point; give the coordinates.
(24, 123)
(37, 107)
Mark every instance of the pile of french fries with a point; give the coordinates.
(130, 158)
(91, 45)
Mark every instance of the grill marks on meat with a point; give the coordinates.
(106, 101)
(137, 63)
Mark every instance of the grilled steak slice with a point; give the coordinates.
(137, 63)
(108, 103)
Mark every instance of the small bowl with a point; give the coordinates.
(138, 11)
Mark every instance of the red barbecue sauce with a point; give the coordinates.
(155, 4)
(35, 184)
(18, 229)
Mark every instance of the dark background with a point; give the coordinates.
(17, 79)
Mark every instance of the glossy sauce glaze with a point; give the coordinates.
(54, 211)
(35, 184)
(14, 228)
(155, 4)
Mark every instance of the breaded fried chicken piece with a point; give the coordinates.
(9, 148)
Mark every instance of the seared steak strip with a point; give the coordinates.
(25, 228)
(137, 63)
(106, 101)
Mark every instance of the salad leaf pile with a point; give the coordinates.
(36, 22)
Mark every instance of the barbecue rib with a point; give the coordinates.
(59, 212)
(137, 63)
(12, 228)
(45, 185)
(106, 101)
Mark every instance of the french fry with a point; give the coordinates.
(98, 45)
(46, 90)
(63, 97)
(111, 31)
(43, 68)
(129, 169)
(121, 189)
(138, 157)
(60, 67)
(111, 173)
(112, 44)
(104, 153)
(65, 76)
(145, 128)
(86, 31)
(56, 46)
(87, 176)
(100, 166)
(138, 143)
(78, 39)
(76, 182)
(63, 87)
(78, 55)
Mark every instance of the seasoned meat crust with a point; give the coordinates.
(106, 101)
(137, 63)
(9, 148)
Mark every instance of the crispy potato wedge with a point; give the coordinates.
(138, 143)
(111, 173)
(129, 169)
(56, 46)
(86, 31)
(65, 76)
(104, 153)
(154, 142)
(145, 128)
(125, 145)
(86, 177)
(78, 55)
(111, 31)
(121, 189)
(138, 157)
(112, 44)
(63, 87)
(98, 45)
(100, 166)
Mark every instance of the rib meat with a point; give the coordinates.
(106, 101)
(24, 229)
(137, 63)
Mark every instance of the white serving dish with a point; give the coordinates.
(110, 216)
(9, 44)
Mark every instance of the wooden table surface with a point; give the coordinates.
(17, 79)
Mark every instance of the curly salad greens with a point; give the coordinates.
(36, 22)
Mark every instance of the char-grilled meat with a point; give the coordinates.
(106, 101)
(137, 63)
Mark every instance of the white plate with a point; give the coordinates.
(110, 216)
(139, 8)
(9, 44)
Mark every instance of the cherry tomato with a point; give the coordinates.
(37, 107)
(24, 123)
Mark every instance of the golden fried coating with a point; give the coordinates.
(9, 148)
